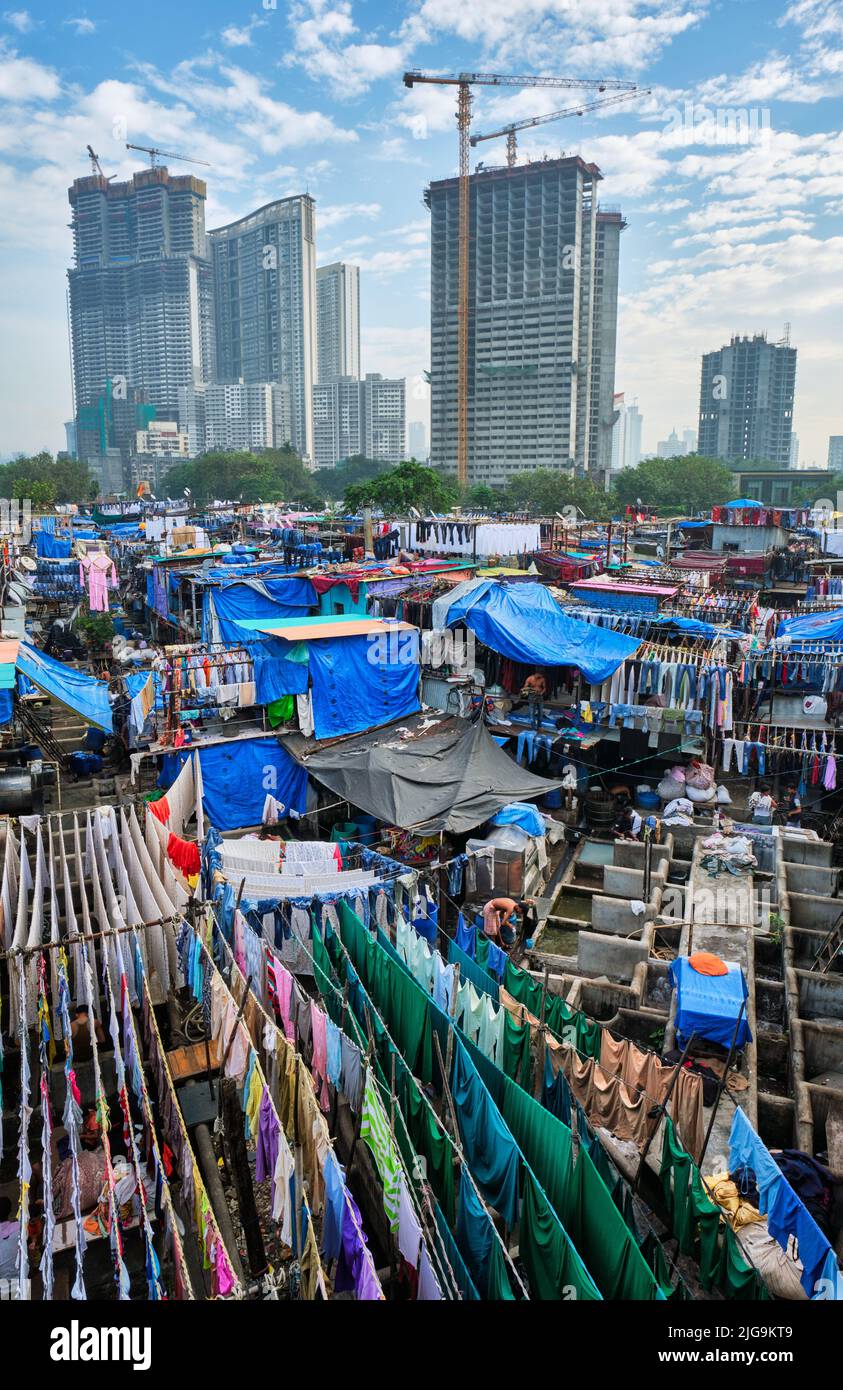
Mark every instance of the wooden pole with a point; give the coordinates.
(233, 1124)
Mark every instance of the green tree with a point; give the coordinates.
(481, 495)
(274, 475)
(332, 482)
(45, 480)
(688, 483)
(543, 492)
(411, 484)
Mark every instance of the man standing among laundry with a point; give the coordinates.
(535, 691)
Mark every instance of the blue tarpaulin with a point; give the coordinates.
(84, 694)
(6, 706)
(743, 502)
(814, 627)
(281, 668)
(522, 814)
(51, 547)
(524, 623)
(267, 600)
(708, 1005)
(357, 684)
(238, 776)
(696, 627)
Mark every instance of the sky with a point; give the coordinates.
(735, 221)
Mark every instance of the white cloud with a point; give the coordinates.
(235, 36)
(23, 79)
(81, 25)
(328, 215)
(20, 19)
(322, 46)
(595, 36)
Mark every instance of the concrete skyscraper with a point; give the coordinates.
(337, 321)
(141, 302)
(746, 401)
(366, 417)
(264, 269)
(542, 291)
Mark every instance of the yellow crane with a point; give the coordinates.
(464, 82)
(510, 130)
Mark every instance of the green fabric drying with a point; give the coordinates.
(553, 1267)
(692, 1212)
(602, 1238)
(567, 1024)
(579, 1197)
(280, 711)
(430, 1141)
(401, 1003)
(736, 1277)
(517, 1056)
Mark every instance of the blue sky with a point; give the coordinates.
(731, 230)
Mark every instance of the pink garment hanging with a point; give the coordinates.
(102, 576)
(320, 1054)
(830, 778)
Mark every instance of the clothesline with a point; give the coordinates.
(453, 1139)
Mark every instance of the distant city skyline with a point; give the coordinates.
(728, 231)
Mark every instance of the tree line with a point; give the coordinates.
(682, 486)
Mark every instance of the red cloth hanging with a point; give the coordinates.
(160, 809)
(184, 854)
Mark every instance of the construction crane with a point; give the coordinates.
(510, 130)
(96, 167)
(464, 81)
(154, 154)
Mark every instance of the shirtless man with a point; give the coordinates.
(535, 690)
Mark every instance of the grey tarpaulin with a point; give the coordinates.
(448, 774)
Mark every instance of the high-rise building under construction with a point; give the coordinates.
(141, 302)
(542, 320)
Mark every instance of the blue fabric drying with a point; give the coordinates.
(7, 706)
(520, 813)
(490, 1149)
(814, 627)
(84, 694)
(352, 693)
(236, 778)
(786, 1213)
(523, 623)
(708, 1005)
